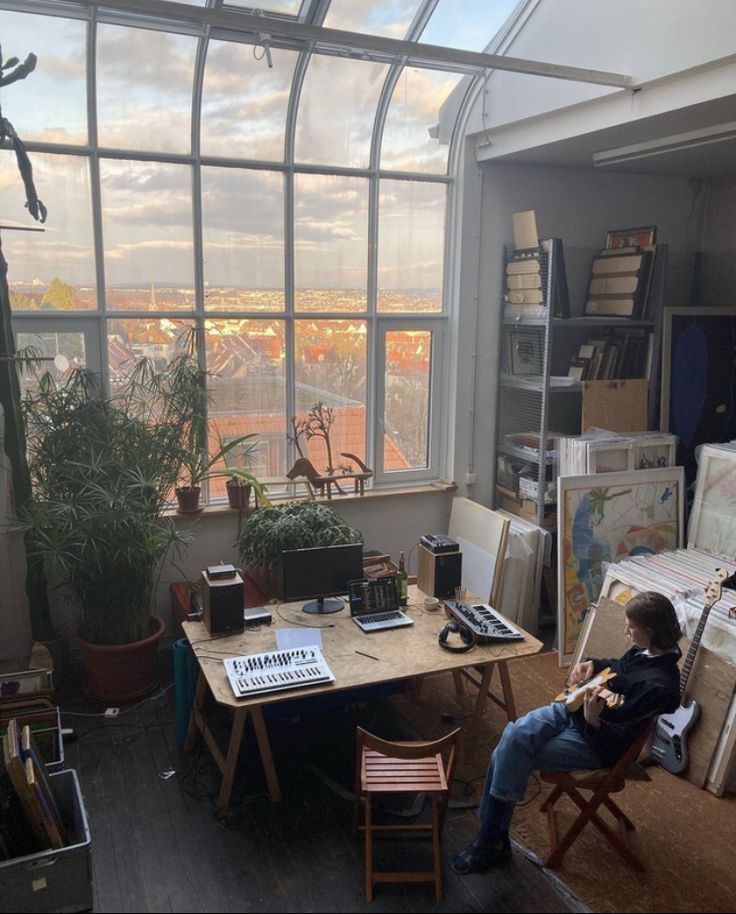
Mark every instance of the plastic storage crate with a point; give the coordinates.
(45, 724)
(53, 880)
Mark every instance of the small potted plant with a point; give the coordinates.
(103, 469)
(268, 531)
(197, 466)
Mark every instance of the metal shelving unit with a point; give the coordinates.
(534, 343)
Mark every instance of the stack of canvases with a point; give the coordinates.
(621, 506)
(683, 575)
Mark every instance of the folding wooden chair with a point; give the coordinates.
(403, 767)
(602, 783)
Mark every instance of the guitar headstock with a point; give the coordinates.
(714, 590)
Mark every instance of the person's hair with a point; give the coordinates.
(657, 613)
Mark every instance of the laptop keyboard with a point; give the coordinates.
(378, 621)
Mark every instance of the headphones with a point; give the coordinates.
(466, 635)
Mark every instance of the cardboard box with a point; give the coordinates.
(54, 880)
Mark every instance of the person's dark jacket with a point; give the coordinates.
(650, 686)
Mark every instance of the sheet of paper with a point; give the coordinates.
(478, 567)
(288, 638)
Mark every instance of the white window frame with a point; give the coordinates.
(437, 327)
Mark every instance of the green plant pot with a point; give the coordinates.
(121, 673)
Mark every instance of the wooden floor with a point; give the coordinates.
(157, 845)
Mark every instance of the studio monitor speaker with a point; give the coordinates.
(438, 574)
(223, 600)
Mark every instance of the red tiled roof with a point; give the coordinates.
(346, 435)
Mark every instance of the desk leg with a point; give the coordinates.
(508, 692)
(483, 692)
(195, 717)
(231, 759)
(264, 747)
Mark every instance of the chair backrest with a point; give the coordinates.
(413, 749)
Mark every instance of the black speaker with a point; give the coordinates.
(438, 574)
(223, 600)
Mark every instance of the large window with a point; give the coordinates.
(291, 207)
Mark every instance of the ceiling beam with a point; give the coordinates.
(281, 32)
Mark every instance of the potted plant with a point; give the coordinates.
(197, 466)
(268, 531)
(103, 470)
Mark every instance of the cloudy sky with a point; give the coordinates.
(143, 104)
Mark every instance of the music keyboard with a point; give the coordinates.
(485, 622)
(271, 671)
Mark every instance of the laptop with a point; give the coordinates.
(374, 605)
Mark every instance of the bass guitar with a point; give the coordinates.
(669, 743)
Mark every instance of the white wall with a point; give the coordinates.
(718, 277)
(579, 206)
(389, 523)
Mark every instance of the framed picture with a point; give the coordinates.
(605, 518)
(698, 398)
(631, 237)
(713, 517)
(526, 351)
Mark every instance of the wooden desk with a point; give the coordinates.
(403, 653)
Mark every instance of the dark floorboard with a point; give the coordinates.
(158, 846)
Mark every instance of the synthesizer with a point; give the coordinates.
(271, 671)
(484, 622)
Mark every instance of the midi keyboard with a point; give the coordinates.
(484, 622)
(272, 671)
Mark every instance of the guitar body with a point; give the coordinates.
(669, 744)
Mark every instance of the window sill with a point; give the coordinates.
(436, 488)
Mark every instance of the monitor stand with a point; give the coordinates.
(323, 606)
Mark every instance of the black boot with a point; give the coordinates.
(477, 857)
(491, 845)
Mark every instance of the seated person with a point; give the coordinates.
(595, 736)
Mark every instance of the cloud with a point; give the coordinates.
(127, 249)
(142, 61)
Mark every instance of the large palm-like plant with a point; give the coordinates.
(103, 469)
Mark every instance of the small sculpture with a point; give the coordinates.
(317, 424)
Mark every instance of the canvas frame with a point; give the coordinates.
(712, 526)
(666, 380)
(651, 513)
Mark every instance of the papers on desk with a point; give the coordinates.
(305, 636)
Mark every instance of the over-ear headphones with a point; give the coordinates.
(467, 637)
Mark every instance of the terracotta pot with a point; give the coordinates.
(188, 499)
(120, 673)
(238, 494)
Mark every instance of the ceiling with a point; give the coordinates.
(715, 159)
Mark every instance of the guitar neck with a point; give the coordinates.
(687, 666)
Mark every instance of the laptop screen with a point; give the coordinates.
(376, 595)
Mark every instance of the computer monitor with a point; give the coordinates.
(319, 573)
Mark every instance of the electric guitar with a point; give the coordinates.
(669, 743)
(574, 695)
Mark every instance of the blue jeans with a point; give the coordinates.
(544, 738)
